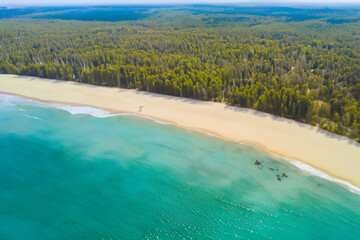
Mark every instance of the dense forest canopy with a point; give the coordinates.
(302, 64)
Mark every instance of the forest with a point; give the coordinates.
(301, 64)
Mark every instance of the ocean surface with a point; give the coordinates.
(79, 173)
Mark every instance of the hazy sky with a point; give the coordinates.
(107, 2)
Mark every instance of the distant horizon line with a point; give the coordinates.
(245, 4)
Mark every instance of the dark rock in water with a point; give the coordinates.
(277, 169)
(278, 178)
(271, 169)
(257, 163)
(284, 175)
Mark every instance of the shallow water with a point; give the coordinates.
(77, 176)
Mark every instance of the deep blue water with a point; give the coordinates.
(76, 176)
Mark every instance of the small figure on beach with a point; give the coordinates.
(140, 108)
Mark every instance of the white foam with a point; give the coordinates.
(95, 112)
(10, 100)
(307, 169)
(32, 117)
(312, 171)
(7, 100)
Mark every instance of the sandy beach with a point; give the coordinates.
(334, 155)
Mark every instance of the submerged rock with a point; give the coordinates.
(271, 169)
(257, 163)
(284, 175)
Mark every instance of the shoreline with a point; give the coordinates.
(303, 167)
(282, 137)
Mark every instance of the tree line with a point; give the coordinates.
(312, 79)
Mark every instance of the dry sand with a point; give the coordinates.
(335, 155)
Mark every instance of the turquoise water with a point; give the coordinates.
(76, 176)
